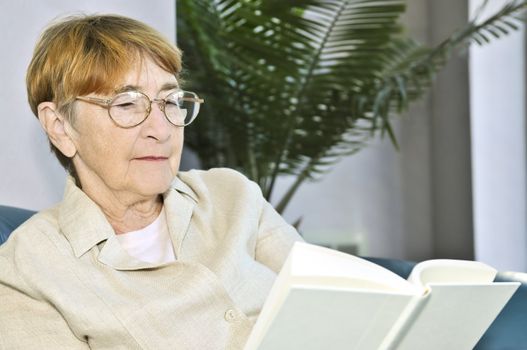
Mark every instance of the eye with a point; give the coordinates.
(128, 101)
(125, 104)
(173, 100)
(172, 103)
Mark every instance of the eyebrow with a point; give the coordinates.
(165, 87)
(169, 86)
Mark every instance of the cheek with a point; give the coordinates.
(180, 137)
(177, 148)
(104, 150)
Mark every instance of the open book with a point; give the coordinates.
(325, 299)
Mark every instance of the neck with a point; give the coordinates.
(124, 211)
(135, 217)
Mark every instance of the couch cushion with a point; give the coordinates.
(10, 219)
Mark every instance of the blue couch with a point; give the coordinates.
(508, 331)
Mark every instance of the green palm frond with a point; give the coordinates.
(294, 86)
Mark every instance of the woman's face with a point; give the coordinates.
(141, 161)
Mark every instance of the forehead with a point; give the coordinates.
(145, 75)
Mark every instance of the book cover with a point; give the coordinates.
(324, 299)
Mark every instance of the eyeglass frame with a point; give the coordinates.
(161, 102)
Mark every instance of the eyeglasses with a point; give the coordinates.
(131, 108)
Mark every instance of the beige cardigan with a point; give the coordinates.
(66, 283)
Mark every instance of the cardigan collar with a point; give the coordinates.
(84, 225)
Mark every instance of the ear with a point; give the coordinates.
(57, 127)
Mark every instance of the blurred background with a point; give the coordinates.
(456, 188)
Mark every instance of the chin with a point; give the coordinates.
(154, 185)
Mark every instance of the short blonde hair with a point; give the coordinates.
(86, 54)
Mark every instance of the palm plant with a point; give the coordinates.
(293, 86)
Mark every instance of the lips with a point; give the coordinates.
(151, 158)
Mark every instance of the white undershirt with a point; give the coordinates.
(151, 244)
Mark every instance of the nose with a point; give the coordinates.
(156, 124)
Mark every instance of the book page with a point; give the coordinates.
(451, 271)
(315, 265)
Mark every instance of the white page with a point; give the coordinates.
(315, 265)
(451, 271)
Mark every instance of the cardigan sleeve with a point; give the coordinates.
(241, 198)
(275, 238)
(28, 323)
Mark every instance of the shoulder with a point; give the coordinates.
(221, 186)
(30, 248)
(37, 238)
(214, 176)
(38, 227)
(218, 180)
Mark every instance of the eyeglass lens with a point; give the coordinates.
(132, 108)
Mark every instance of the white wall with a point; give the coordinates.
(497, 99)
(30, 176)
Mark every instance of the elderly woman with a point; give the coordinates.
(137, 255)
